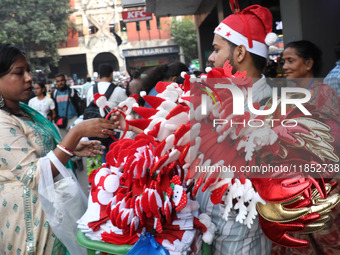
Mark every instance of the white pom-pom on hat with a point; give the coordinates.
(142, 93)
(192, 78)
(183, 74)
(111, 183)
(270, 39)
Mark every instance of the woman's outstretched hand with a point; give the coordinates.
(97, 127)
(89, 148)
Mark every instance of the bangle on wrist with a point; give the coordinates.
(65, 150)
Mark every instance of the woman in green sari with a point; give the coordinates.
(26, 137)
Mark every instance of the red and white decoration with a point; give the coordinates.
(144, 185)
(251, 28)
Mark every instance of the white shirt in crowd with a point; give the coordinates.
(43, 106)
(117, 96)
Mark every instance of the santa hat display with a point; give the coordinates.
(251, 27)
(143, 187)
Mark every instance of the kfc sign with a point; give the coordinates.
(136, 15)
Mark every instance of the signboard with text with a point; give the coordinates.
(151, 51)
(136, 15)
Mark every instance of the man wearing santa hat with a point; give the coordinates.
(243, 38)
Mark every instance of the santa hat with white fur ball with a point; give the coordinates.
(251, 27)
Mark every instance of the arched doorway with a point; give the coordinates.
(105, 57)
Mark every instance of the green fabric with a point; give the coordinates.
(92, 246)
(38, 118)
(59, 248)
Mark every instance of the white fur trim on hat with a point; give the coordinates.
(231, 35)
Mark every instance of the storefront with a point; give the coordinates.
(144, 58)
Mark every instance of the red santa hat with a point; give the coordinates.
(251, 27)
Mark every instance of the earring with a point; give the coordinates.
(2, 101)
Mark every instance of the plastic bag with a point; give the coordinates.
(63, 202)
(147, 244)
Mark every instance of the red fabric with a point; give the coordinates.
(119, 239)
(258, 18)
(95, 225)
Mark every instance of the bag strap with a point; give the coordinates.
(46, 177)
(61, 168)
(95, 89)
(110, 90)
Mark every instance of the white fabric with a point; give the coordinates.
(92, 214)
(43, 106)
(117, 96)
(261, 90)
(258, 48)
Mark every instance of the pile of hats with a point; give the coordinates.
(148, 183)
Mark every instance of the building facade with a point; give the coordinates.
(102, 34)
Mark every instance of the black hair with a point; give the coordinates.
(337, 51)
(42, 86)
(152, 76)
(105, 70)
(271, 69)
(8, 55)
(88, 79)
(259, 61)
(149, 78)
(308, 50)
(175, 69)
(60, 75)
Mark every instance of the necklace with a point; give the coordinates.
(23, 115)
(26, 116)
(311, 83)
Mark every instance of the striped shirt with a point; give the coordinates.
(231, 237)
(333, 78)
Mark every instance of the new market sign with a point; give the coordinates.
(151, 51)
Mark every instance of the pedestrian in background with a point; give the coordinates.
(302, 64)
(86, 86)
(41, 102)
(67, 103)
(113, 94)
(333, 77)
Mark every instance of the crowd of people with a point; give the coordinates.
(59, 125)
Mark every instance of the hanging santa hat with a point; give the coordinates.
(251, 27)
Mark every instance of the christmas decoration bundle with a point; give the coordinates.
(149, 183)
